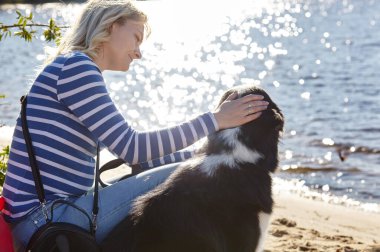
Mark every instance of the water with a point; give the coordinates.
(317, 59)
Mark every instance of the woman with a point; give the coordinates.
(69, 111)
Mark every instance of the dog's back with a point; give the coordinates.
(217, 201)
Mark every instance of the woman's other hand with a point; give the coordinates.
(233, 113)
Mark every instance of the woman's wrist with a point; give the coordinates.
(215, 121)
(218, 120)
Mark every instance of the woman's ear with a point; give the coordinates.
(113, 27)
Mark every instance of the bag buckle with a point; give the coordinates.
(94, 224)
(45, 211)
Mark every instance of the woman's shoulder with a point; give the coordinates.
(75, 58)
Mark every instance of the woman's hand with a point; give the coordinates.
(232, 113)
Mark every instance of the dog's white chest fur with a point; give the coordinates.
(210, 163)
(264, 220)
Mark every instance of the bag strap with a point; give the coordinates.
(95, 204)
(37, 176)
(32, 158)
(109, 166)
(66, 202)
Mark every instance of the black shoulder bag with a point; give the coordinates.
(59, 236)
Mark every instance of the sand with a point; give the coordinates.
(300, 224)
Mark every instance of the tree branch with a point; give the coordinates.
(29, 25)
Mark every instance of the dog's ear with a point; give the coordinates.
(272, 118)
(278, 120)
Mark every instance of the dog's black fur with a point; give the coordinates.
(194, 212)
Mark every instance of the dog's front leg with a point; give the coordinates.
(264, 220)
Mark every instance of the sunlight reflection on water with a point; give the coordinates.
(306, 54)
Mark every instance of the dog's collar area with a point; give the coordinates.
(209, 164)
(234, 153)
(239, 150)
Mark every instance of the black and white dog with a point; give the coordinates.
(218, 201)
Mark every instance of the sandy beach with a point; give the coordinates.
(300, 224)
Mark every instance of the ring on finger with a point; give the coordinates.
(250, 110)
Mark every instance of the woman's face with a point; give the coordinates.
(124, 45)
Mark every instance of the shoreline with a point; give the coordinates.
(299, 223)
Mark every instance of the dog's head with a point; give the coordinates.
(254, 142)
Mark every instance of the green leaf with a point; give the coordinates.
(48, 35)
(58, 40)
(4, 152)
(24, 34)
(18, 13)
(52, 24)
(20, 20)
(28, 36)
(25, 26)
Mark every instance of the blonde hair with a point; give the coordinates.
(94, 25)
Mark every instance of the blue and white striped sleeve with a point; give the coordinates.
(82, 89)
(176, 157)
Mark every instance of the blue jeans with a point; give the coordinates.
(114, 204)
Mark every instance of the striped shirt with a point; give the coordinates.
(68, 111)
